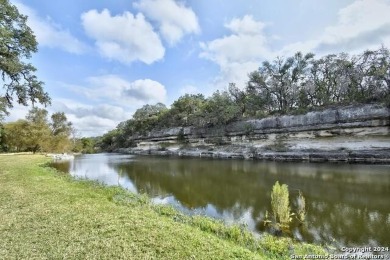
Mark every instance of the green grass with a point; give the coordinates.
(48, 215)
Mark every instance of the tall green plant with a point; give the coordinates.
(280, 205)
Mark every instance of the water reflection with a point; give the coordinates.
(348, 203)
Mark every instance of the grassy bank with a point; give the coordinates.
(47, 215)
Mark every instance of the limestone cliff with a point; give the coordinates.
(353, 133)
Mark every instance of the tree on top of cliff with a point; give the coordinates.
(148, 111)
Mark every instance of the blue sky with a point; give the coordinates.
(101, 60)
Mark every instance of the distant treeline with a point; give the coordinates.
(37, 133)
(295, 84)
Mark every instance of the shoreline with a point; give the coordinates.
(350, 134)
(83, 224)
(379, 156)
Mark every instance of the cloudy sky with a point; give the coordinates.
(101, 60)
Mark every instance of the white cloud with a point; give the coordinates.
(125, 38)
(119, 90)
(80, 110)
(50, 34)
(246, 25)
(17, 112)
(90, 120)
(115, 99)
(174, 18)
(110, 100)
(91, 125)
(235, 72)
(364, 24)
(239, 53)
(105, 87)
(247, 42)
(146, 90)
(361, 25)
(302, 46)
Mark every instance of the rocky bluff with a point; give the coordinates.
(351, 134)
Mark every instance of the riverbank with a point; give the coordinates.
(352, 134)
(49, 215)
(375, 156)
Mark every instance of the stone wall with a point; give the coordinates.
(353, 133)
(367, 120)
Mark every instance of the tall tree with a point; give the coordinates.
(259, 100)
(17, 136)
(328, 79)
(37, 134)
(280, 81)
(371, 75)
(39, 130)
(187, 108)
(60, 125)
(17, 43)
(148, 111)
(220, 109)
(239, 97)
(37, 116)
(61, 130)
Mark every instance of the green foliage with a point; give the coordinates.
(60, 125)
(281, 210)
(280, 205)
(3, 108)
(149, 111)
(108, 141)
(239, 97)
(286, 85)
(38, 130)
(17, 43)
(37, 116)
(3, 144)
(61, 131)
(220, 109)
(17, 137)
(187, 110)
(301, 82)
(85, 145)
(275, 246)
(37, 134)
(95, 222)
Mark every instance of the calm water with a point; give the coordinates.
(346, 203)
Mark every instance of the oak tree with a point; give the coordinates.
(17, 43)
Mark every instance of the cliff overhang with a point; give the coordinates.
(359, 133)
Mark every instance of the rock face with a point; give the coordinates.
(352, 134)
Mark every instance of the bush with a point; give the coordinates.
(280, 205)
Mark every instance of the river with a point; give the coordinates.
(347, 204)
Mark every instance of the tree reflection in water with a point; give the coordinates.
(346, 203)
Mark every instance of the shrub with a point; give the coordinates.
(280, 205)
